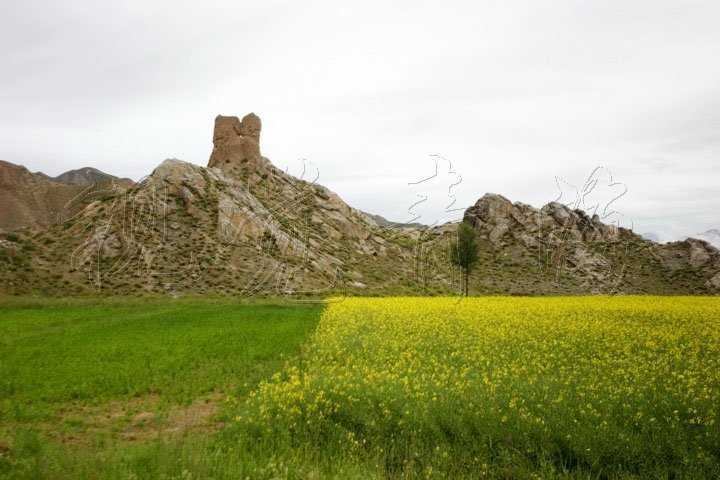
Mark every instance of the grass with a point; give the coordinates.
(574, 388)
(96, 387)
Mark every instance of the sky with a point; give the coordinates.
(389, 102)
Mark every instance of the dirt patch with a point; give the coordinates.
(175, 422)
(140, 419)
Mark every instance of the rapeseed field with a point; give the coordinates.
(585, 387)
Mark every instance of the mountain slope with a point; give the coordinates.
(384, 222)
(28, 200)
(241, 226)
(34, 200)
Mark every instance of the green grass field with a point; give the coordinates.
(576, 388)
(113, 388)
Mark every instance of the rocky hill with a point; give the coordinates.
(241, 226)
(556, 249)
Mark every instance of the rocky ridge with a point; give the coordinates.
(602, 258)
(241, 226)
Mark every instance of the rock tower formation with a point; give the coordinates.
(237, 145)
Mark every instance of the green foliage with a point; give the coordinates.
(108, 351)
(464, 251)
(404, 241)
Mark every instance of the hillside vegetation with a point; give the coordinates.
(243, 227)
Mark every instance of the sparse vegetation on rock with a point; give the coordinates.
(241, 226)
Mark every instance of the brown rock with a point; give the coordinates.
(251, 126)
(237, 144)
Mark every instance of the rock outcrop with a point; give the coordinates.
(557, 236)
(237, 145)
(241, 226)
(688, 253)
(500, 220)
(603, 258)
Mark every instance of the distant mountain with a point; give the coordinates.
(651, 236)
(383, 222)
(34, 200)
(711, 236)
(241, 226)
(84, 176)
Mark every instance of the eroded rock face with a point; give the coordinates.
(240, 218)
(700, 252)
(690, 252)
(237, 144)
(244, 226)
(103, 242)
(573, 242)
(560, 236)
(500, 220)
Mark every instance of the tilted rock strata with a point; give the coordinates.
(242, 226)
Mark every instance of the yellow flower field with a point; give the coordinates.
(509, 387)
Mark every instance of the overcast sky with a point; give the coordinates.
(512, 94)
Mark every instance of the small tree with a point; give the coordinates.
(464, 252)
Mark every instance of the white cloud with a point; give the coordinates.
(513, 93)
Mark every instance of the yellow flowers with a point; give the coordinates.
(604, 379)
